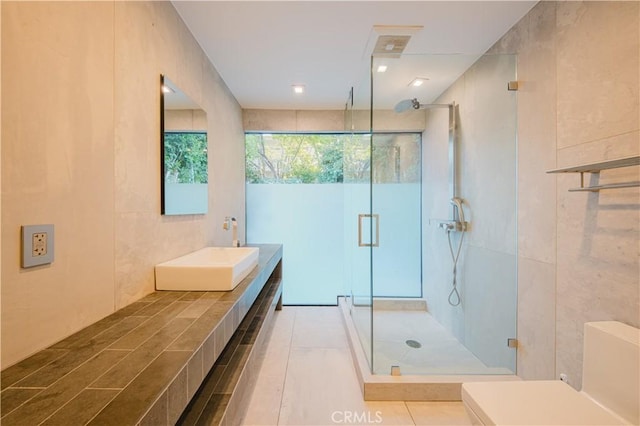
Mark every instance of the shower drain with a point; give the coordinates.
(413, 344)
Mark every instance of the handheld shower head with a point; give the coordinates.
(457, 202)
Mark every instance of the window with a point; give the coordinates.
(332, 158)
(307, 191)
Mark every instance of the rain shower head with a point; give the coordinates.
(406, 105)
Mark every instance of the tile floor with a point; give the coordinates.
(308, 378)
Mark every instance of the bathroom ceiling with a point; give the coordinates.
(262, 48)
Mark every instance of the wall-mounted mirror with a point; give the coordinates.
(183, 146)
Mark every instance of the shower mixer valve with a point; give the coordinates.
(453, 225)
(447, 226)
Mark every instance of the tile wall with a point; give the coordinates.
(486, 181)
(81, 80)
(579, 64)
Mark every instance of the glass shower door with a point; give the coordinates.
(396, 199)
(396, 260)
(357, 215)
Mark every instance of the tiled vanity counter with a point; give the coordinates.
(145, 362)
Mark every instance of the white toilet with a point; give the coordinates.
(609, 395)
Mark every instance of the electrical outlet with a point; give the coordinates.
(37, 245)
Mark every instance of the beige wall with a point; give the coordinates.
(265, 120)
(578, 63)
(81, 82)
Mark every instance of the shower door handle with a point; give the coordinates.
(373, 243)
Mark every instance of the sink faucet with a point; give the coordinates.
(231, 222)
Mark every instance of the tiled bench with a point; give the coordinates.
(140, 365)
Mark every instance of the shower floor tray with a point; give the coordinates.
(440, 384)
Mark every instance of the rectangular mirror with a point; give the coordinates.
(183, 152)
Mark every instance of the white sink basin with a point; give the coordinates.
(207, 269)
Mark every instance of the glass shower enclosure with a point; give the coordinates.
(430, 225)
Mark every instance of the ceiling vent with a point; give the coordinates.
(391, 45)
(389, 40)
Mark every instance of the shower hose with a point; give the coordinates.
(454, 296)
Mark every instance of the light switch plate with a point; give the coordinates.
(37, 245)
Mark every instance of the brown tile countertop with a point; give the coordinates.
(113, 372)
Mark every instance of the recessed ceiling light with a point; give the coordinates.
(389, 47)
(418, 81)
(382, 68)
(298, 88)
(167, 89)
